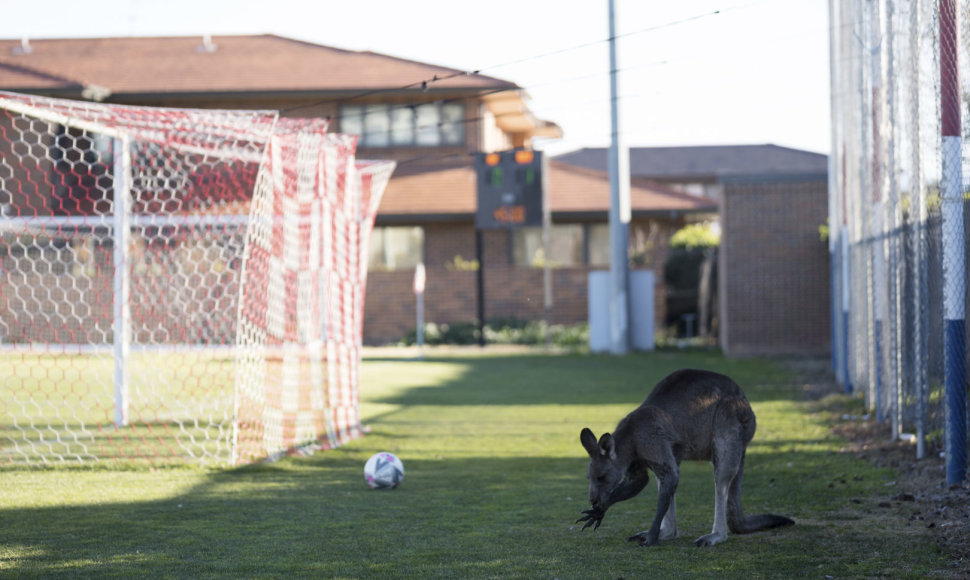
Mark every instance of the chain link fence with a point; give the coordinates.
(898, 214)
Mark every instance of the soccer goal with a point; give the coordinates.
(178, 284)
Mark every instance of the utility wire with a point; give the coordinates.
(557, 52)
(426, 84)
(423, 84)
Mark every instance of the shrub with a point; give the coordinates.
(696, 236)
(503, 331)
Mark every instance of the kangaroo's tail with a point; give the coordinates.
(739, 523)
(749, 524)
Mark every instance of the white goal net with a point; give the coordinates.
(178, 284)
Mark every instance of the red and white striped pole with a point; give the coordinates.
(954, 267)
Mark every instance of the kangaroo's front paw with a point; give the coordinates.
(593, 517)
(709, 540)
(645, 539)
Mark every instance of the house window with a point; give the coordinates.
(565, 246)
(643, 239)
(427, 125)
(599, 244)
(396, 248)
(402, 126)
(377, 125)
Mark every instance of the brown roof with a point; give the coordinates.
(707, 162)
(436, 191)
(577, 190)
(450, 193)
(235, 64)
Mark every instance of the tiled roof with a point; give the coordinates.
(439, 191)
(580, 190)
(707, 162)
(235, 64)
(450, 192)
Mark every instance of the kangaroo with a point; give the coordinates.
(690, 414)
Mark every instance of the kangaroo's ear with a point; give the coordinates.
(607, 446)
(588, 440)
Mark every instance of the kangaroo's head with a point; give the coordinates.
(611, 478)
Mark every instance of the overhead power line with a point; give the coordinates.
(428, 83)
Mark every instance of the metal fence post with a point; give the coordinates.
(121, 236)
(954, 267)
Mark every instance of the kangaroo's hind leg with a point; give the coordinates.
(733, 429)
(668, 527)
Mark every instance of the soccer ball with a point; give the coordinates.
(383, 471)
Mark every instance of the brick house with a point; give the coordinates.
(774, 278)
(442, 201)
(429, 119)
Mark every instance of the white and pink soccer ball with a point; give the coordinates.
(383, 471)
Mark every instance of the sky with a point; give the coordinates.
(690, 72)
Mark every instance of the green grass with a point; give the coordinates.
(495, 479)
(61, 408)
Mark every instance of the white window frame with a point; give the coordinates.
(385, 246)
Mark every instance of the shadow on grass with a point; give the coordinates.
(483, 514)
(296, 518)
(470, 518)
(310, 517)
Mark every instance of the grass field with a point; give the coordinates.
(60, 408)
(495, 480)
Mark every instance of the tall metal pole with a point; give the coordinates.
(480, 279)
(918, 359)
(546, 249)
(121, 234)
(878, 231)
(954, 265)
(619, 172)
(836, 191)
(895, 218)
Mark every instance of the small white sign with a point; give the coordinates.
(419, 278)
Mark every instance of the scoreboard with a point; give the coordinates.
(509, 189)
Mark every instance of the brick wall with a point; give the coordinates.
(511, 291)
(82, 305)
(774, 268)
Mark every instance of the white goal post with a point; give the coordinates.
(178, 284)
